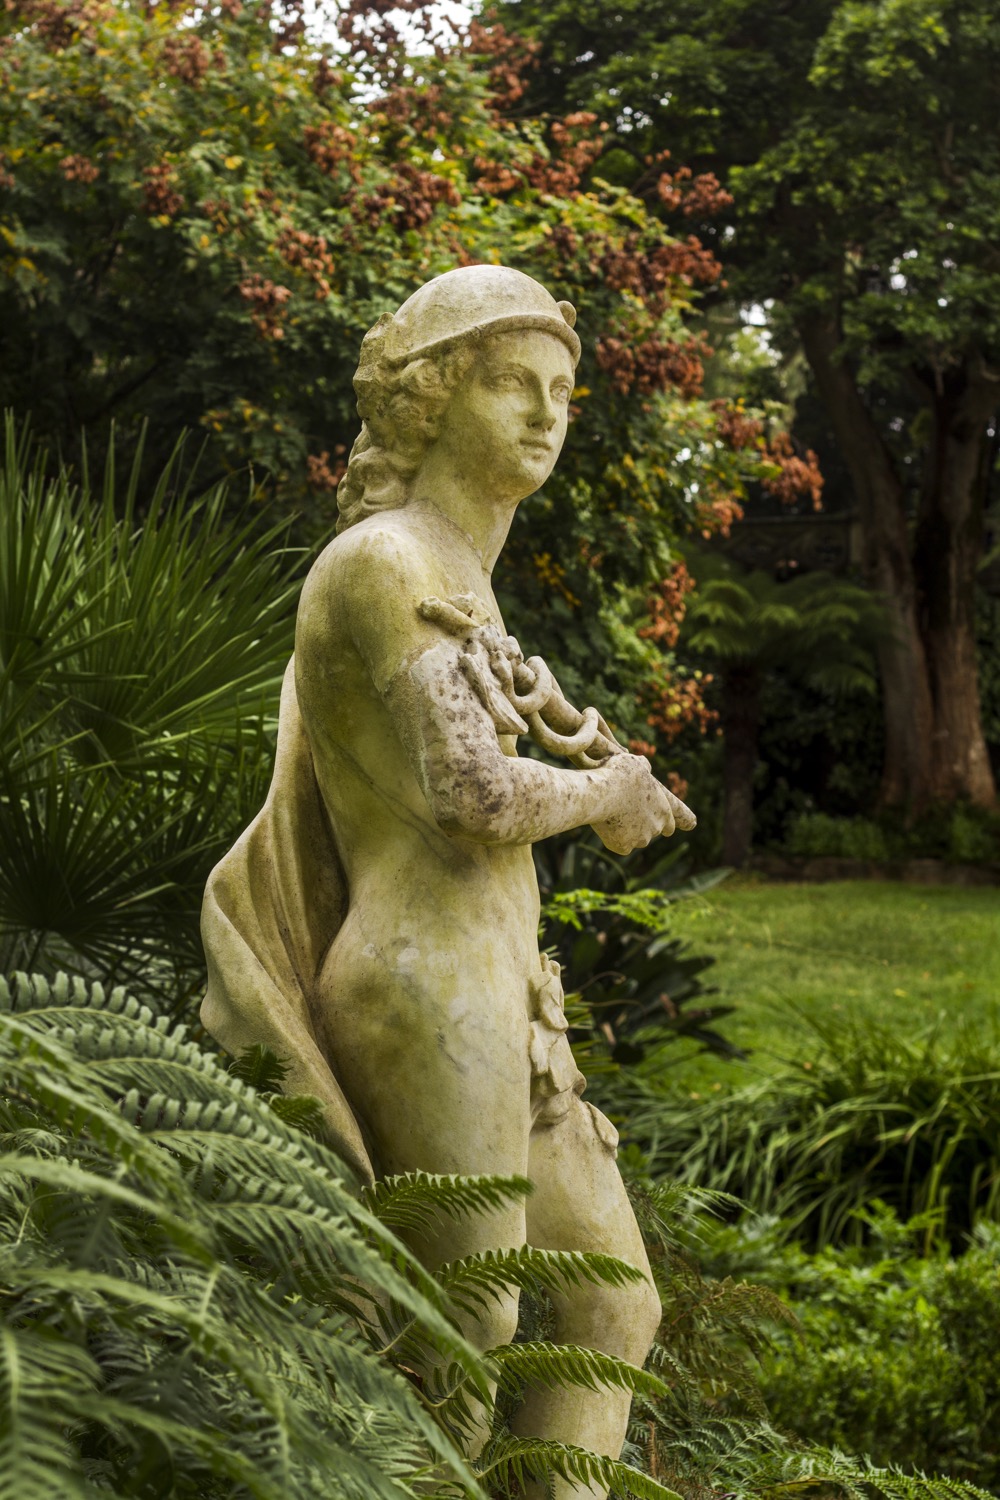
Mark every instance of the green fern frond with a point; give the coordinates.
(554, 1365)
(522, 1459)
(215, 1261)
(302, 1112)
(260, 1068)
(773, 615)
(42, 1383)
(472, 1281)
(68, 1177)
(414, 1199)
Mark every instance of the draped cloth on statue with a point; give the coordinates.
(273, 906)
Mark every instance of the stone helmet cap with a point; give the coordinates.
(472, 303)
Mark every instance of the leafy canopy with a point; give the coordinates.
(202, 210)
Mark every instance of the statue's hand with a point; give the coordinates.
(642, 807)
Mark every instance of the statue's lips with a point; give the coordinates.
(533, 445)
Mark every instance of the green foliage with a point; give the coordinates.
(413, 1201)
(192, 1295)
(712, 1434)
(815, 754)
(180, 1278)
(896, 1353)
(819, 626)
(816, 834)
(959, 833)
(800, 115)
(202, 210)
(813, 629)
(208, 1294)
(264, 1072)
(257, 202)
(873, 1113)
(857, 142)
(142, 642)
(631, 978)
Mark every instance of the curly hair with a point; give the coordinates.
(400, 407)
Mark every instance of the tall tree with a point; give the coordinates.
(859, 140)
(203, 209)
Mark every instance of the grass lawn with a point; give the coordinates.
(906, 955)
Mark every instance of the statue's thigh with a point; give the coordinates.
(580, 1202)
(449, 1107)
(464, 1115)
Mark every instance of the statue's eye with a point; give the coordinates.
(507, 380)
(561, 392)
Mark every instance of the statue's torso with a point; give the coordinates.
(440, 940)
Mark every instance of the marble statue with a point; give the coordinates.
(377, 924)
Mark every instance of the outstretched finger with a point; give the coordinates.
(683, 817)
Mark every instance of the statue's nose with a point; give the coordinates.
(544, 414)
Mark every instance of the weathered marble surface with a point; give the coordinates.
(377, 925)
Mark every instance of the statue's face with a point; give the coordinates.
(504, 427)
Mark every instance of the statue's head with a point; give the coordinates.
(413, 360)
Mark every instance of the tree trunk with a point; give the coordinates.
(947, 550)
(740, 720)
(907, 701)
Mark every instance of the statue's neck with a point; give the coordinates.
(480, 529)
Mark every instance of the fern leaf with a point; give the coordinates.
(525, 1458)
(472, 1281)
(570, 1365)
(259, 1067)
(42, 1382)
(413, 1200)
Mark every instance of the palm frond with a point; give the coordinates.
(140, 660)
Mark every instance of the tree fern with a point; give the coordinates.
(413, 1200)
(472, 1281)
(563, 1364)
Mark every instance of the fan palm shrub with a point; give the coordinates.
(142, 641)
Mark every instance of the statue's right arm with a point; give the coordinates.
(475, 790)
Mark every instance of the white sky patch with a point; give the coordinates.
(756, 318)
(322, 21)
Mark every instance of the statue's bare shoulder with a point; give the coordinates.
(364, 591)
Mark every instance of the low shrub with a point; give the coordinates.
(958, 834)
(817, 835)
(867, 1113)
(896, 1355)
